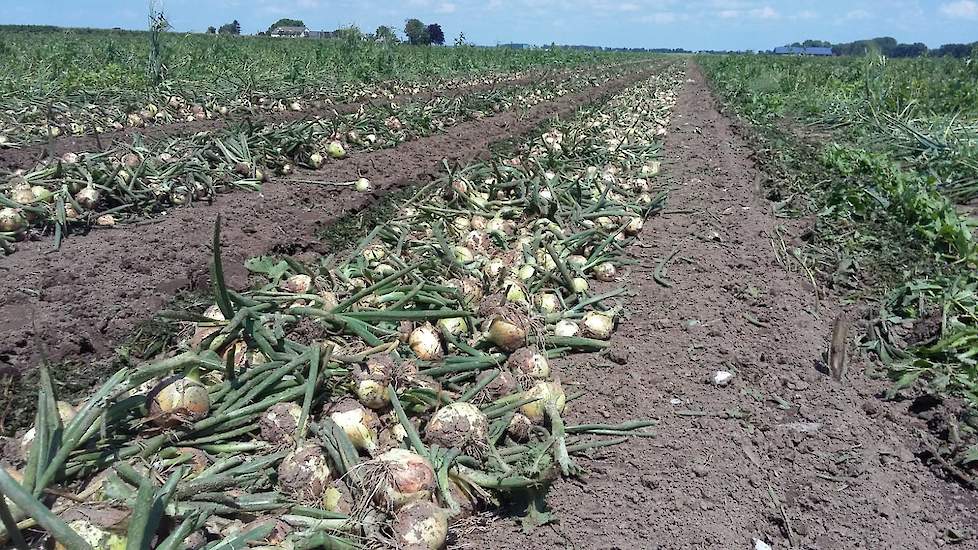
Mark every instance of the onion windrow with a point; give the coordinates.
(407, 384)
(125, 183)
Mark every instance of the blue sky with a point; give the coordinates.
(695, 24)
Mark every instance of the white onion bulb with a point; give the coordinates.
(425, 343)
(545, 393)
(598, 325)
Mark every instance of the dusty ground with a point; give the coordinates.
(784, 453)
(80, 301)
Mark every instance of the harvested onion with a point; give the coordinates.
(425, 343)
(546, 393)
(401, 476)
(459, 425)
(279, 424)
(598, 325)
(177, 400)
(421, 526)
(304, 473)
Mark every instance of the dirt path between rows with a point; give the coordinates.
(783, 454)
(80, 301)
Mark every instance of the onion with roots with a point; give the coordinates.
(280, 423)
(421, 526)
(359, 423)
(598, 325)
(373, 393)
(529, 363)
(304, 473)
(576, 261)
(178, 400)
(546, 394)
(425, 343)
(460, 426)
(400, 476)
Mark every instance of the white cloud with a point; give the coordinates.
(965, 9)
(446, 7)
(767, 12)
(857, 15)
(628, 7)
(660, 18)
(729, 14)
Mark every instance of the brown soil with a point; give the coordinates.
(80, 301)
(27, 156)
(783, 454)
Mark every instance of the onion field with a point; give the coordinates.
(354, 294)
(375, 396)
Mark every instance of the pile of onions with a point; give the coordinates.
(304, 473)
(177, 400)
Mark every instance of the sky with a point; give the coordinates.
(690, 24)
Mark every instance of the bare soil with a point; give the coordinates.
(783, 454)
(80, 301)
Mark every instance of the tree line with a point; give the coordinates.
(417, 32)
(889, 47)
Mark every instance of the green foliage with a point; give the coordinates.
(285, 22)
(417, 33)
(897, 154)
(435, 34)
(233, 28)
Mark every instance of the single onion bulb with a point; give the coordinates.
(95, 535)
(177, 400)
(421, 526)
(545, 393)
(304, 473)
(459, 425)
(360, 424)
(566, 328)
(335, 150)
(598, 325)
(605, 272)
(400, 477)
(509, 333)
(529, 363)
(425, 343)
(280, 423)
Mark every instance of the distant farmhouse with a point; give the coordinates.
(290, 32)
(796, 50)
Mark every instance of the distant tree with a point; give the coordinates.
(416, 32)
(460, 41)
(233, 28)
(386, 34)
(435, 34)
(285, 22)
(212, 30)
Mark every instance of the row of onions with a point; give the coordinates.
(376, 400)
(128, 182)
(36, 121)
